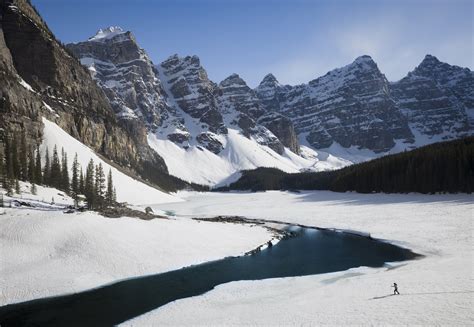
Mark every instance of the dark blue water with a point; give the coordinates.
(309, 252)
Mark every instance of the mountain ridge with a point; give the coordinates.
(349, 110)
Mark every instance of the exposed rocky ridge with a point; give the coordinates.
(192, 117)
(349, 105)
(38, 77)
(356, 106)
(192, 90)
(437, 98)
(176, 99)
(241, 106)
(125, 73)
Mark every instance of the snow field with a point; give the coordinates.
(436, 290)
(46, 253)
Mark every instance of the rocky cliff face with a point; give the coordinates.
(356, 106)
(437, 99)
(39, 77)
(192, 90)
(176, 99)
(125, 73)
(350, 105)
(241, 107)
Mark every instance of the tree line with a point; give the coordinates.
(436, 168)
(20, 162)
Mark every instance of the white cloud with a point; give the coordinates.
(397, 43)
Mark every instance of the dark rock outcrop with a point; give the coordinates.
(437, 99)
(283, 129)
(39, 77)
(350, 105)
(238, 101)
(193, 91)
(125, 73)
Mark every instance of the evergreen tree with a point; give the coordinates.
(89, 189)
(23, 158)
(33, 188)
(38, 175)
(114, 196)
(31, 167)
(64, 172)
(75, 178)
(17, 186)
(81, 181)
(47, 169)
(2, 168)
(99, 186)
(9, 170)
(55, 178)
(109, 194)
(15, 160)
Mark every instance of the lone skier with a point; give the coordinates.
(395, 289)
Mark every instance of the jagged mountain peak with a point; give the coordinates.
(430, 58)
(432, 66)
(125, 73)
(108, 33)
(233, 79)
(363, 58)
(445, 74)
(365, 62)
(269, 80)
(362, 68)
(429, 62)
(180, 62)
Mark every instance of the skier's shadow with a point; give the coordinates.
(381, 297)
(389, 295)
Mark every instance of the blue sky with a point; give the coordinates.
(295, 40)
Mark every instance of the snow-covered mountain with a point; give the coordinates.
(125, 73)
(355, 106)
(207, 132)
(437, 99)
(350, 106)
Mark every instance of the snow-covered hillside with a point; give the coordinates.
(199, 165)
(128, 189)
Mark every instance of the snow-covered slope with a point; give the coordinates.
(128, 189)
(202, 166)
